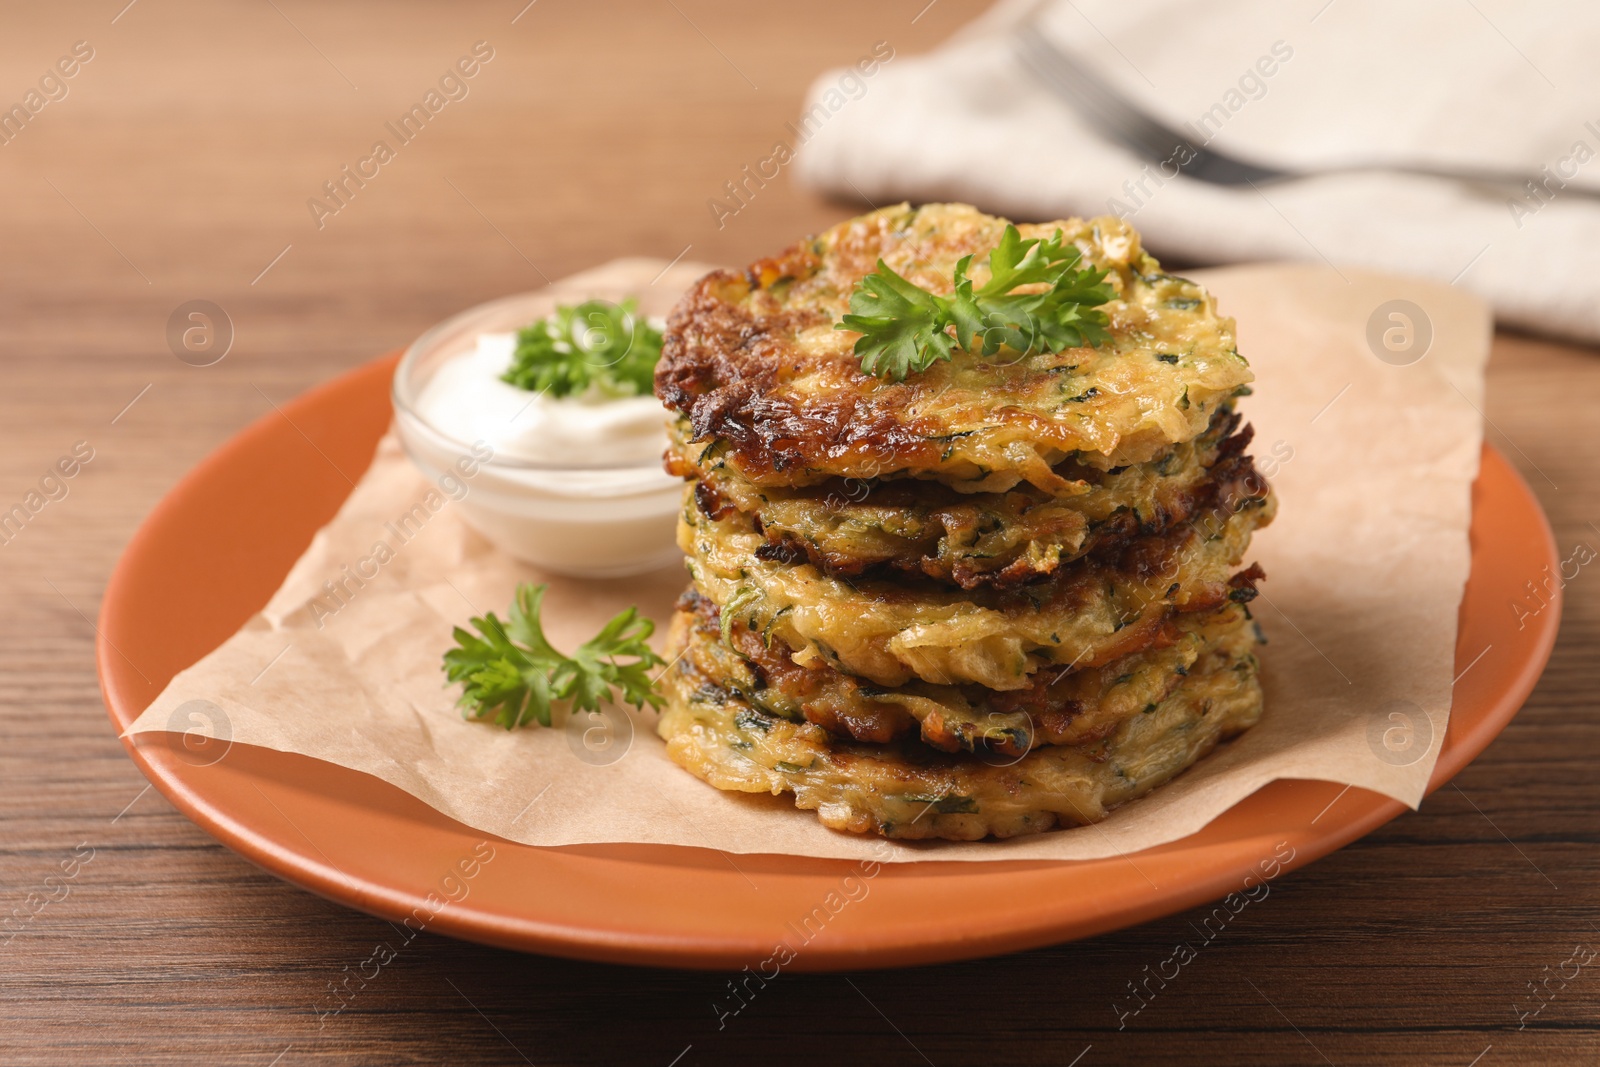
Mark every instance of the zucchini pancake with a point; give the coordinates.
(966, 517)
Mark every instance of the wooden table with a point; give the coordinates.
(178, 167)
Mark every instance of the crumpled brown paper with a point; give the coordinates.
(1366, 409)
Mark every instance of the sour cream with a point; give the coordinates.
(467, 400)
(573, 485)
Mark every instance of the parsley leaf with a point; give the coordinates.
(511, 674)
(902, 325)
(905, 328)
(598, 344)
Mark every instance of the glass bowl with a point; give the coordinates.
(582, 516)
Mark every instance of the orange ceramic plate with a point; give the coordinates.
(217, 547)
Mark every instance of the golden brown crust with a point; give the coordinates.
(1090, 612)
(851, 528)
(1060, 708)
(754, 362)
(908, 790)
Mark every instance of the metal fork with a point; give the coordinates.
(1119, 119)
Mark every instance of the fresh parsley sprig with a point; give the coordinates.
(593, 344)
(905, 328)
(512, 675)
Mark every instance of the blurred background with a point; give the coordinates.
(183, 159)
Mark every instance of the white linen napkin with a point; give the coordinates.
(1301, 86)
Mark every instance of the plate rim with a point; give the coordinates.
(1463, 742)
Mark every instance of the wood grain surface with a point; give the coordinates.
(178, 166)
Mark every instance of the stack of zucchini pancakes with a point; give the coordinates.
(998, 594)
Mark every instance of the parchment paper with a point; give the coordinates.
(1373, 459)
